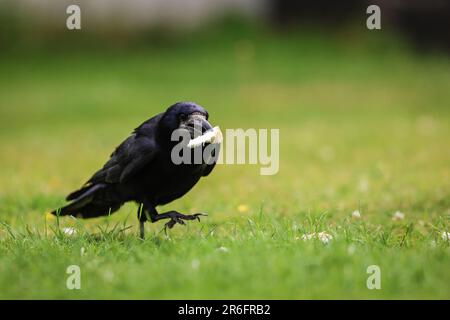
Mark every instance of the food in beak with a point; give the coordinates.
(211, 136)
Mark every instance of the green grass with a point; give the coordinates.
(363, 125)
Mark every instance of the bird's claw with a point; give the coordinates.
(179, 218)
(198, 215)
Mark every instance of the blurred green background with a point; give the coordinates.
(364, 125)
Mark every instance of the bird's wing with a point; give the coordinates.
(126, 161)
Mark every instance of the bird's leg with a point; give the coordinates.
(176, 217)
(145, 211)
(142, 218)
(141, 230)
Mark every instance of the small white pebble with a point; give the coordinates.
(69, 231)
(398, 216)
(356, 214)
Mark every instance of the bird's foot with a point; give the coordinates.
(176, 217)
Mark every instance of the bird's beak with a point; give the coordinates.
(206, 126)
(197, 125)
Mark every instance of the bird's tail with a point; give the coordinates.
(88, 202)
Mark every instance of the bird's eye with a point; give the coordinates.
(183, 117)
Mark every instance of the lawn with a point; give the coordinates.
(364, 125)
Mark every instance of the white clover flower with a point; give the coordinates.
(363, 185)
(325, 237)
(322, 236)
(69, 231)
(326, 153)
(398, 216)
(308, 236)
(195, 264)
(108, 275)
(356, 214)
(445, 235)
(351, 249)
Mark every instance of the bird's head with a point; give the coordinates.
(188, 116)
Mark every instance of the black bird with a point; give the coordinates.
(141, 170)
